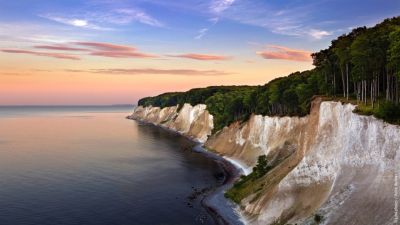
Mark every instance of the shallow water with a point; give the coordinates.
(90, 165)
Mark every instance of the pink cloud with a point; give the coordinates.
(285, 53)
(204, 57)
(113, 50)
(90, 48)
(59, 47)
(122, 54)
(144, 71)
(47, 54)
(106, 46)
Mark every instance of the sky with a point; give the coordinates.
(78, 52)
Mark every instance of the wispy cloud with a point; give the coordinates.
(85, 48)
(293, 21)
(11, 74)
(121, 54)
(105, 46)
(201, 33)
(214, 20)
(113, 50)
(32, 33)
(140, 16)
(285, 53)
(75, 21)
(60, 48)
(218, 6)
(104, 18)
(203, 57)
(147, 71)
(319, 34)
(46, 54)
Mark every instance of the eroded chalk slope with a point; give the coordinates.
(333, 162)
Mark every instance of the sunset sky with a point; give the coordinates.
(117, 51)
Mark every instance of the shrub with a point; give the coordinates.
(388, 111)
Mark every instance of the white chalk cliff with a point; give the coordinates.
(192, 121)
(333, 162)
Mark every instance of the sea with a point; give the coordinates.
(89, 165)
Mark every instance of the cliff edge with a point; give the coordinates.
(330, 167)
(194, 122)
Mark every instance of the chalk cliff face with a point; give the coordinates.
(192, 121)
(258, 136)
(347, 171)
(334, 163)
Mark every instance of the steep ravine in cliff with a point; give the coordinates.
(333, 163)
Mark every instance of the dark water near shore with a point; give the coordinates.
(91, 166)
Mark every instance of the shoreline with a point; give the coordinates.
(222, 210)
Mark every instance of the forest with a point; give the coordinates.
(362, 67)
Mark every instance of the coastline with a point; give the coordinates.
(223, 211)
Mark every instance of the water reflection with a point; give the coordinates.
(79, 167)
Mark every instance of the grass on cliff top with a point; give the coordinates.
(387, 111)
(251, 183)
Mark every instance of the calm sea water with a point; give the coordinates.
(91, 166)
